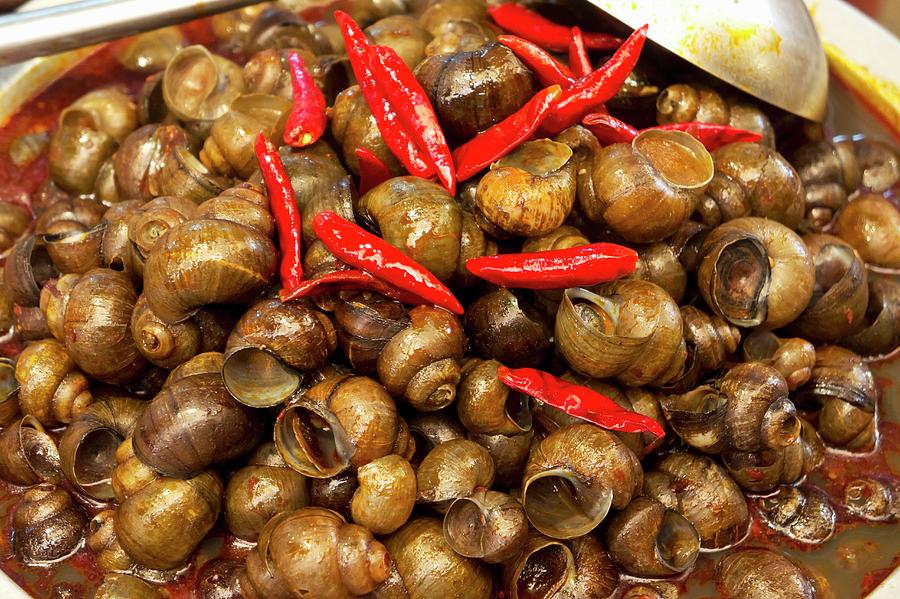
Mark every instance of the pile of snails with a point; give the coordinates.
(363, 447)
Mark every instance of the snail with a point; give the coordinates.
(27, 268)
(365, 323)
(471, 91)
(506, 326)
(268, 72)
(803, 514)
(759, 573)
(629, 329)
(572, 478)
(684, 102)
(314, 552)
(386, 494)
(794, 357)
(709, 340)
(530, 191)
(125, 586)
(406, 36)
(47, 525)
(879, 333)
(101, 539)
(755, 271)
(460, 35)
(200, 86)
(51, 387)
(645, 190)
(354, 126)
(150, 52)
(487, 525)
(872, 499)
(871, 225)
(451, 470)
(485, 405)
(72, 231)
(28, 455)
(221, 579)
(430, 429)
(335, 493)
(830, 171)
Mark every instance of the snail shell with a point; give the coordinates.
(51, 388)
(794, 358)
(28, 455)
(487, 525)
(103, 542)
(829, 171)
(125, 586)
(485, 405)
(804, 515)
(386, 494)
(872, 499)
(508, 327)
(759, 574)
(47, 525)
(880, 332)
(871, 224)
(28, 266)
(453, 469)
(14, 219)
(199, 85)
(365, 324)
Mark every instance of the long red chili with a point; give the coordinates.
(578, 56)
(414, 108)
(549, 71)
(578, 401)
(348, 280)
(395, 136)
(357, 247)
(372, 171)
(494, 143)
(610, 130)
(597, 87)
(544, 32)
(284, 211)
(580, 266)
(307, 120)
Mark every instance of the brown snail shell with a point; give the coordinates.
(485, 405)
(72, 231)
(760, 573)
(160, 525)
(137, 164)
(872, 499)
(116, 250)
(245, 204)
(460, 35)
(28, 266)
(573, 476)
(51, 388)
(426, 566)
(365, 324)
(342, 421)
(646, 189)
(418, 217)
(334, 493)
(871, 224)
(880, 332)
(755, 271)
(471, 91)
(221, 579)
(88, 446)
(165, 345)
(506, 326)
(14, 219)
(354, 126)
(702, 492)
(629, 329)
(193, 423)
(403, 34)
(486, 525)
(709, 340)
(794, 358)
(438, 16)
(650, 540)
(803, 514)
(685, 102)
(421, 362)
(430, 429)
(149, 52)
(451, 470)
(9, 387)
(205, 363)
(314, 552)
(880, 164)
(554, 569)
(236, 263)
(103, 543)
(47, 525)
(386, 494)
(147, 228)
(531, 190)
(830, 172)
(259, 491)
(182, 174)
(840, 294)
(271, 346)
(125, 586)
(199, 85)
(28, 455)
(659, 263)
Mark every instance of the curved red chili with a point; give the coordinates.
(372, 171)
(284, 211)
(416, 113)
(307, 120)
(347, 280)
(544, 32)
(395, 136)
(357, 247)
(496, 142)
(610, 130)
(597, 87)
(578, 401)
(549, 71)
(579, 61)
(580, 266)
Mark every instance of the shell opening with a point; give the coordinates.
(95, 459)
(780, 424)
(678, 156)
(258, 378)
(39, 450)
(741, 282)
(309, 442)
(562, 506)
(517, 410)
(465, 528)
(8, 383)
(544, 572)
(677, 543)
(760, 346)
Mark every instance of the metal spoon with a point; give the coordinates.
(767, 48)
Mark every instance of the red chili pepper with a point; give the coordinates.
(347, 280)
(415, 111)
(549, 71)
(578, 56)
(578, 401)
(610, 130)
(580, 266)
(544, 32)
(494, 143)
(307, 120)
(596, 88)
(372, 171)
(712, 136)
(395, 136)
(360, 249)
(284, 211)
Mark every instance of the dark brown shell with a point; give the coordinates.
(506, 326)
(47, 525)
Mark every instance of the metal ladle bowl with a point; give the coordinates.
(766, 48)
